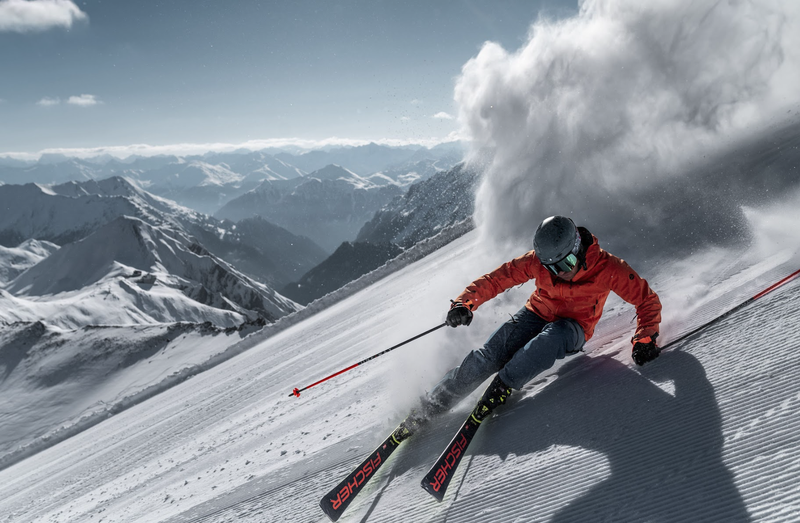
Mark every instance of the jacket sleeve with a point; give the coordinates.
(635, 290)
(516, 272)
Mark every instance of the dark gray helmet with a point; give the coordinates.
(555, 239)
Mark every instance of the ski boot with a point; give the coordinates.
(496, 394)
(427, 409)
(409, 426)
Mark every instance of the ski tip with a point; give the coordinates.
(428, 486)
(326, 507)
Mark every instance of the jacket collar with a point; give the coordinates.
(592, 254)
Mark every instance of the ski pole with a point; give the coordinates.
(296, 391)
(735, 309)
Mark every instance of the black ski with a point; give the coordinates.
(337, 500)
(438, 477)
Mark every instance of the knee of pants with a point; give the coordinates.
(579, 338)
(461, 380)
(478, 365)
(558, 339)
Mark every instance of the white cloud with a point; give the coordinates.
(442, 116)
(84, 100)
(47, 101)
(23, 16)
(416, 102)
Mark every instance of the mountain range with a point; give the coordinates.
(329, 205)
(127, 256)
(207, 182)
(429, 207)
(159, 261)
(444, 199)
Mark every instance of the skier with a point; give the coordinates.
(573, 279)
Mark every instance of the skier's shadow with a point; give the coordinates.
(664, 452)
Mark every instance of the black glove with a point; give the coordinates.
(458, 314)
(645, 350)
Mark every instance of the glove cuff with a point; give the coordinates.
(645, 339)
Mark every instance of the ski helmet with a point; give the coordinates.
(555, 240)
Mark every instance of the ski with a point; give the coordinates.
(438, 477)
(337, 500)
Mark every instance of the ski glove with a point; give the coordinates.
(645, 350)
(458, 314)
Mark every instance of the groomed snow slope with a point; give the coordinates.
(708, 432)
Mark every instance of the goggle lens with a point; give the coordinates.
(565, 265)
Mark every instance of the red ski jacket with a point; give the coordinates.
(581, 299)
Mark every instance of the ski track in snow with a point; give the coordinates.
(708, 432)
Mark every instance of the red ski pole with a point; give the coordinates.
(296, 391)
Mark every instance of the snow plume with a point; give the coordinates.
(622, 117)
(23, 16)
(692, 287)
(778, 234)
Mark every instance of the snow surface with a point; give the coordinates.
(16, 260)
(68, 380)
(708, 432)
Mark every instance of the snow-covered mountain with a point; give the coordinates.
(194, 174)
(205, 183)
(67, 212)
(262, 249)
(429, 207)
(372, 158)
(130, 257)
(408, 174)
(328, 206)
(255, 166)
(446, 198)
(15, 260)
(49, 171)
(39, 212)
(208, 184)
(128, 248)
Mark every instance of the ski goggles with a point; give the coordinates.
(564, 265)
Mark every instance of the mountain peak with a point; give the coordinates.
(333, 172)
(126, 240)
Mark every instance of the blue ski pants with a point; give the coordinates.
(521, 348)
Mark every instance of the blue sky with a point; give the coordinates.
(99, 73)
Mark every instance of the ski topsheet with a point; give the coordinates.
(438, 477)
(338, 499)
